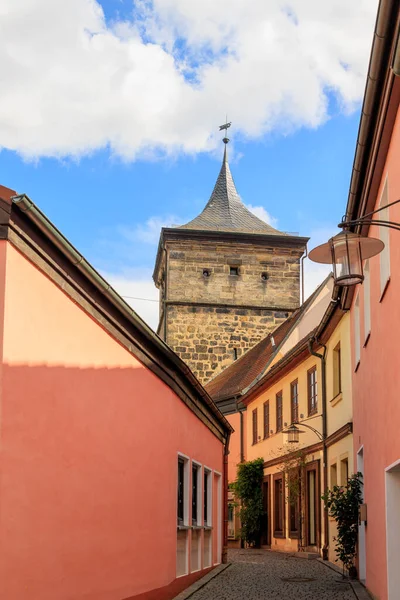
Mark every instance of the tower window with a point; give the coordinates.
(206, 273)
(234, 271)
(264, 276)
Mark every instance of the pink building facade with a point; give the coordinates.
(112, 456)
(375, 318)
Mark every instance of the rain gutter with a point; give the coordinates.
(381, 46)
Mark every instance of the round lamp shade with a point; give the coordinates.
(346, 252)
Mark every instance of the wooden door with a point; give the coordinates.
(313, 504)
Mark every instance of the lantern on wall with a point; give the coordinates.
(346, 252)
(293, 433)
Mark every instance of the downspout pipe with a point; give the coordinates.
(302, 273)
(322, 358)
(241, 437)
(225, 508)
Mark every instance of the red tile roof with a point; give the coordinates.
(251, 366)
(6, 193)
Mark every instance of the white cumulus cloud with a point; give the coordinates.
(161, 81)
(149, 232)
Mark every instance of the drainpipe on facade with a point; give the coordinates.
(302, 274)
(225, 509)
(324, 436)
(241, 437)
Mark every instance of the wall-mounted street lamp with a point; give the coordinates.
(346, 251)
(293, 432)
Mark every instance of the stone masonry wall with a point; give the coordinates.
(209, 317)
(187, 261)
(206, 337)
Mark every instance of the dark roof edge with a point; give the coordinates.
(380, 84)
(41, 221)
(291, 241)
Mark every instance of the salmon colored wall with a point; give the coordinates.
(234, 444)
(89, 443)
(376, 383)
(3, 247)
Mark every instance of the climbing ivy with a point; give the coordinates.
(248, 493)
(343, 503)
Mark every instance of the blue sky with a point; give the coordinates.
(110, 188)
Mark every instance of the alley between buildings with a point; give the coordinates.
(268, 575)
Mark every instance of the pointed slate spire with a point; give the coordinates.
(225, 211)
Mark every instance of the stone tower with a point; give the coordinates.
(226, 279)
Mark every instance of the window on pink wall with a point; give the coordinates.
(357, 331)
(207, 518)
(367, 301)
(384, 256)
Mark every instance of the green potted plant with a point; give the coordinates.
(343, 504)
(248, 493)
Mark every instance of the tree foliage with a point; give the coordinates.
(343, 503)
(293, 462)
(248, 493)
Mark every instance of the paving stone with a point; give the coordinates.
(260, 575)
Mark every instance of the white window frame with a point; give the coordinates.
(357, 333)
(367, 301)
(199, 520)
(207, 471)
(200, 508)
(384, 236)
(392, 527)
(186, 474)
(219, 517)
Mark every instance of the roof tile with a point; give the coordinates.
(226, 212)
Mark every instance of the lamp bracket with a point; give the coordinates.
(317, 433)
(365, 220)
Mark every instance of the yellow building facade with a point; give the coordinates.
(313, 391)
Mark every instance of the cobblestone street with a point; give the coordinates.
(261, 574)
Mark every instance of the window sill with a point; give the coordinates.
(183, 527)
(336, 399)
(207, 527)
(385, 287)
(293, 535)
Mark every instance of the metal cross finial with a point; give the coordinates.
(225, 127)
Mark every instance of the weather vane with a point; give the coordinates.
(225, 127)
